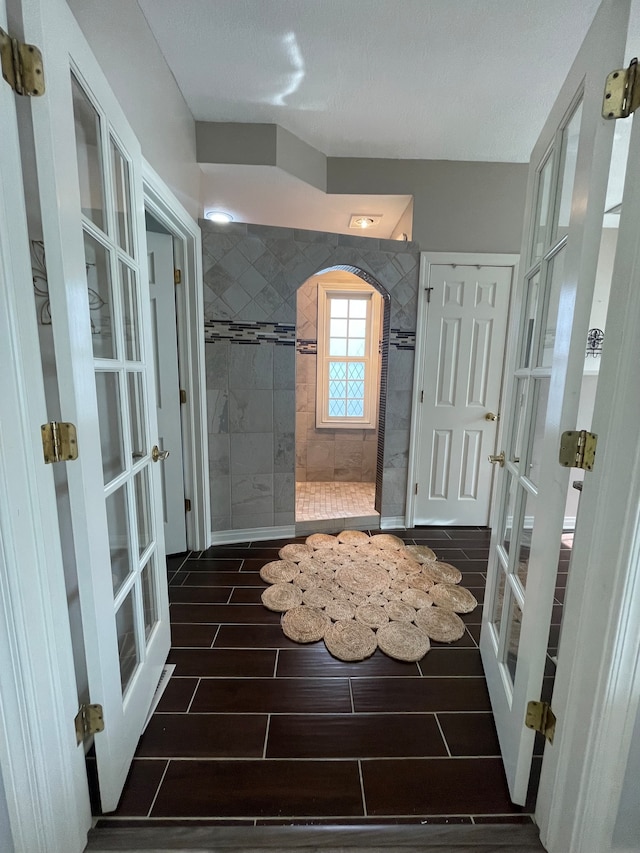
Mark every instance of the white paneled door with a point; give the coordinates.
(165, 350)
(459, 397)
(566, 202)
(89, 169)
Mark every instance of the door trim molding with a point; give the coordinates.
(166, 208)
(427, 260)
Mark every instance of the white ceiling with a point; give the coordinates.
(432, 79)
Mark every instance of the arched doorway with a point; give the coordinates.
(341, 369)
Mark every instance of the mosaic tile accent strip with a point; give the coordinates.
(305, 347)
(402, 340)
(250, 333)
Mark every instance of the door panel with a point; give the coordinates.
(465, 337)
(89, 169)
(568, 177)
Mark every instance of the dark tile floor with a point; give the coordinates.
(255, 729)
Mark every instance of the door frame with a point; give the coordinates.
(427, 260)
(187, 242)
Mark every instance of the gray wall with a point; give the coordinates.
(325, 455)
(251, 276)
(458, 206)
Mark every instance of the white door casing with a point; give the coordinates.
(163, 320)
(565, 204)
(463, 307)
(128, 627)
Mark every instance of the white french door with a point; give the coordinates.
(89, 169)
(567, 186)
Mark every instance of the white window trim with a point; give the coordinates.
(327, 290)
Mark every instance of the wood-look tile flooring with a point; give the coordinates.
(254, 729)
(316, 501)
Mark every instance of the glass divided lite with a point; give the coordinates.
(100, 297)
(122, 199)
(110, 421)
(127, 643)
(541, 235)
(149, 598)
(118, 527)
(89, 155)
(130, 312)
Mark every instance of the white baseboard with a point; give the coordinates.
(252, 534)
(393, 522)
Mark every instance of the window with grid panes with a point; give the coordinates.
(348, 360)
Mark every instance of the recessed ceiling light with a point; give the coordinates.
(220, 216)
(364, 220)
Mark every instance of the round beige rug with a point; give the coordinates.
(296, 551)
(421, 553)
(281, 597)
(403, 641)
(372, 615)
(387, 542)
(362, 577)
(340, 611)
(399, 611)
(321, 540)
(305, 624)
(443, 572)
(416, 598)
(449, 596)
(279, 571)
(350, 641)
(317, 597)
(354, 537)
(443, 626)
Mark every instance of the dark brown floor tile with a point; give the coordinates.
(225, 552)
(140, 787)
(177, 695)
(560, 594)
(224, 613)
(482, 535)
(556, 614)
(178, 579)
(476, 553)
(186, 635)
(247, 595)
(449, 555)
(217, 565)
(420, 694)
(260, 788)
(424, 533)
(436, 786)
(353, 736)
(149, 822)
(174, 561)
(204, 736)
(209, 663)
(254, 564)
(273, 695)
(316, 661)
(474, 629)
(451, 661)
(478, 592)
(466, 641)
(227, 579)
(472, 566)
(504, 818)
(253, 637)
(473, 618)
(470, 734)
(476, 579)
(199, 594)
(263, 552)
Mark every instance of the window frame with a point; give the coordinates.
(328, 290)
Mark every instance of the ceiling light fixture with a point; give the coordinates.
(219, 216)
(364, 220)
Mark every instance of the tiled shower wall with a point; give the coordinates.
(251, 275)
(324, 455)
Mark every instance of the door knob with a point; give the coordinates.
(499, 459)
(490, 416)
(158, 455)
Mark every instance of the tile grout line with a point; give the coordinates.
(193, 696)
(364, 799)
(442, 734)
(275, 663)
(266, 736)
(158, 789)
(215, 636)
(353, 710)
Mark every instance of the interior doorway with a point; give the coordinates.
(339, 401)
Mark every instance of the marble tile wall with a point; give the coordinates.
(324, 455)
(251, 276)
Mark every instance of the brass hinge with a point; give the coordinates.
(187, 505)
(21, 66)
(88, 721)
(541, 718)
(578, 449)
(183, 396)
(622, 92)
(59, 442)
(177, 276)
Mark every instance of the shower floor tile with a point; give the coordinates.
(334, 500)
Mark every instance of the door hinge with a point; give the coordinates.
(541, 718)
(578, 449)
(59, 442)
(21, 66)
(177, 276)
(88, 721)
(183, 396)
(187, 505)
(428, 291)
(622, 92)
(422, 396)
